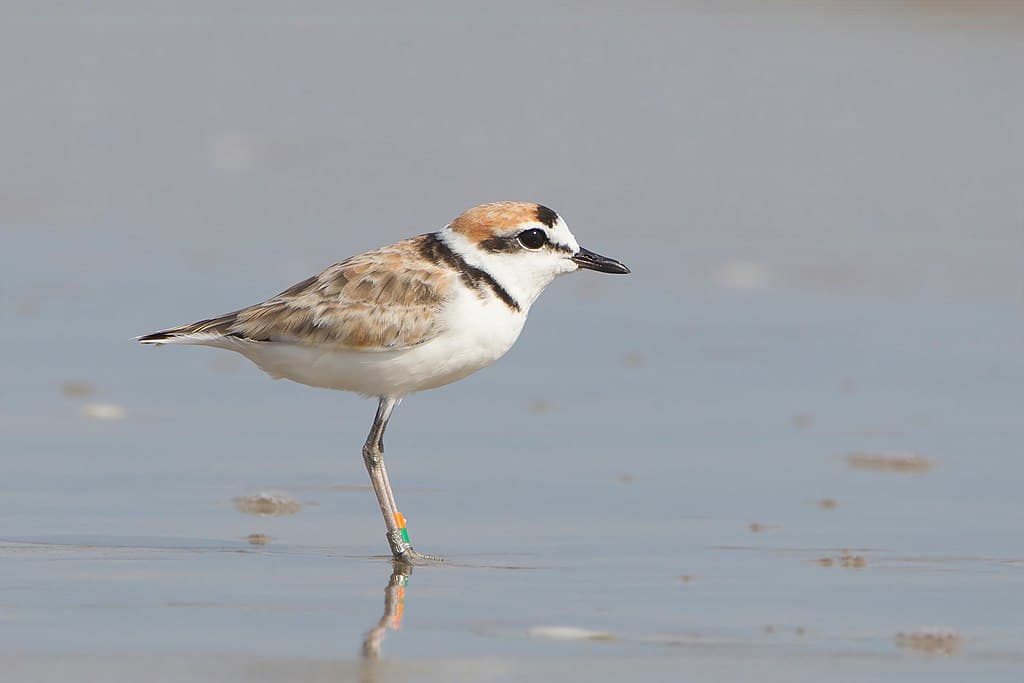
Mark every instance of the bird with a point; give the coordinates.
(414, 315)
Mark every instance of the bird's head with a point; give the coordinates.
(524, 246)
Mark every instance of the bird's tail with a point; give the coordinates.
(193, 333)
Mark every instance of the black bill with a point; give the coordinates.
(585, 258)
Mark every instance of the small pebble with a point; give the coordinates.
(539, 406)
(853, 561)
(905, 463)
(267, 504)
(77, 389)
(931, 641)
(802, 421)
(103, 411)
(569, 633)
(633, 360)
(846, 559)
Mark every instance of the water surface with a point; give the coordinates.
(823, 217)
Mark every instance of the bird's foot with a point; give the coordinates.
(410, 556)
(402, 550)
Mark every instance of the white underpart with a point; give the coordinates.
(477, 333)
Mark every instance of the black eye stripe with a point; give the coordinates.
(511, 243)
(499, 244)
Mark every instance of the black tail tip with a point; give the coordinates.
(155, 337)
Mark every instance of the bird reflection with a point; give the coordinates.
(394, 603)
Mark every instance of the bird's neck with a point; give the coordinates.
(514, 273)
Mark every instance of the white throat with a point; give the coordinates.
(523, 274)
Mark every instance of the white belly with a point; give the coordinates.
(476, 334)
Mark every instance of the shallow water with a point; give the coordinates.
(823, 217)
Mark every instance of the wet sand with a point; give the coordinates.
(786, 447)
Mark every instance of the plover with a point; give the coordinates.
(414, 315)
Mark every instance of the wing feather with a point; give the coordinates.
(384, 299)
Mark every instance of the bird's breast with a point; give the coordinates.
(480, 329)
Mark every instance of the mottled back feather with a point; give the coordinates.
(384, 299)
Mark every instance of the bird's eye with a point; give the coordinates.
(535, 238)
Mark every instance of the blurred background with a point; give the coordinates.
(816, 359)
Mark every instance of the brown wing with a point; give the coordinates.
(381, 300)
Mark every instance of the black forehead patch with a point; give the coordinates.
(546, 216)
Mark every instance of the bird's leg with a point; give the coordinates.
(373, 456)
